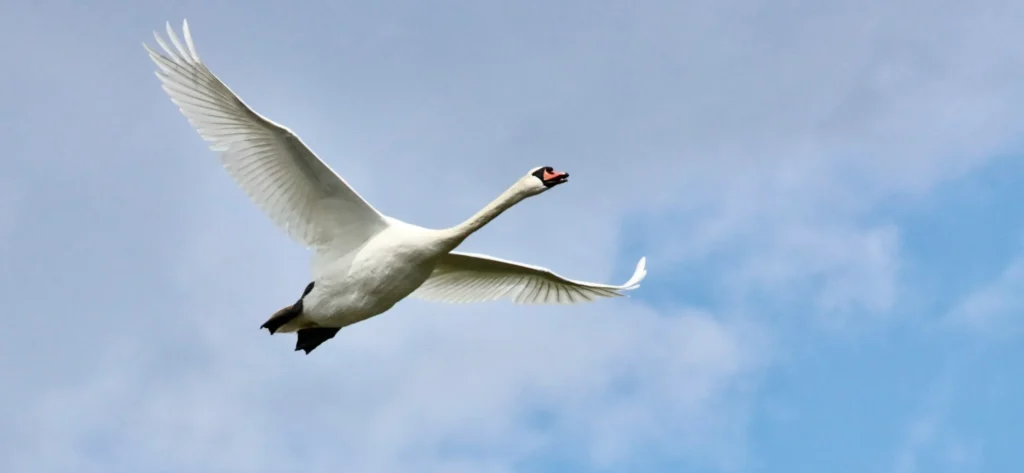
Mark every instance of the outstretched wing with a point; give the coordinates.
(297, 190)
(464, 277)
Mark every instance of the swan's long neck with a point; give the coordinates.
(455, 235)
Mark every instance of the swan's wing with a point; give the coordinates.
(280, 174)
(464, 277)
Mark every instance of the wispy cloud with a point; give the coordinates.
(993, 308)
(924, 428)
(931, 442)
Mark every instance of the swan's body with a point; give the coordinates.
(364, 261)
(370, 280)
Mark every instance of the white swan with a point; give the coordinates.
(364, 262)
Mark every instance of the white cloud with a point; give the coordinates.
(992, 309)
(930, 440)
(921, 433)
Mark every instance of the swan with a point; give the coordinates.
(363, 262)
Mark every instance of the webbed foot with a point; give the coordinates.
(310, 338)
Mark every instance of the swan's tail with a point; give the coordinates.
(279, 321)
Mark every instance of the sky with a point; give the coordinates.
(828, 197)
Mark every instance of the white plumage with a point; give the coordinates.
(278, 172)
(365, 262)
(466, 277)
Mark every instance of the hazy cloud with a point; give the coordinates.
(993, 308)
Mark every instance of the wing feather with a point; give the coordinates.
(466, 277)
(282, 176)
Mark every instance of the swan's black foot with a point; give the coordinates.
(283, 316)
(310, 338)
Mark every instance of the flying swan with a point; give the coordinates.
(364, 262)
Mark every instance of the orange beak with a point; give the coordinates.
(554, 175)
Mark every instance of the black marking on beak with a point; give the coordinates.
(550, 178)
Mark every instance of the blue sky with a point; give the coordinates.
(827, 198)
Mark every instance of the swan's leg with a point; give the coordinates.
(310, 338)
(283, 316)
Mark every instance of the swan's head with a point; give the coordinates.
(541, 179)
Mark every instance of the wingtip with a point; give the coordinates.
(638, 275)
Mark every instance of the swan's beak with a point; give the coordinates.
(554, 178)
